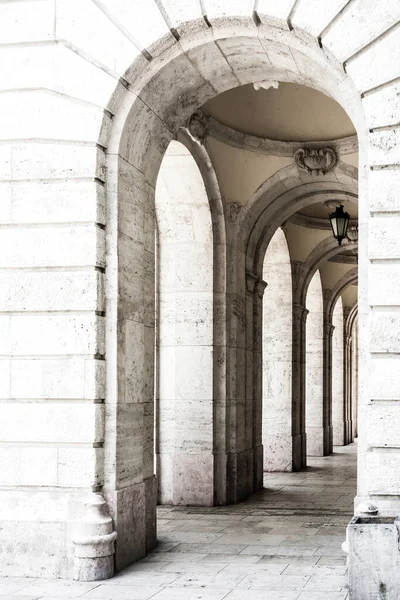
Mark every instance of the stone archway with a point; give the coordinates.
(185, 317)
(111, 73)
(150, 131)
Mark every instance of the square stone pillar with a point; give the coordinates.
(299, 387)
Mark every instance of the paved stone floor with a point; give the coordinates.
(282, 544)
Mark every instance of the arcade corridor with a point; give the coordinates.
(286, 539)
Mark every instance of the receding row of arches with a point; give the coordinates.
(222, 460)
(190, 352)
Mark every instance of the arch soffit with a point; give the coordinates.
(152, 109)
(270, 147)
(274, 202)
(348, 278)
(206, 168)
(321, 253)
(256, 255)
(289, 178)
(351, 317)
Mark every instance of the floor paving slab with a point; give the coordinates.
(284, 543)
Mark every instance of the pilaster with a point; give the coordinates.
(327, 376)
(255, 288)
(299, 387)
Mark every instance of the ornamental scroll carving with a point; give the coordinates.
(315, 161)
(198, 126)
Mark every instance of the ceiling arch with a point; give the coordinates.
(278, 198)
(350, 278)
(321, 253)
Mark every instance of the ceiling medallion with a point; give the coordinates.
(315, 161)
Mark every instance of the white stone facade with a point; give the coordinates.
(92, 93)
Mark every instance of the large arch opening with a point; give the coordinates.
(315, 368)
(338, 391)
(277, 356)
(184, 321)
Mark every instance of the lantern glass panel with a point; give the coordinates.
(334, 226)
(339, 223)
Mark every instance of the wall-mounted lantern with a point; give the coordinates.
(339, 223)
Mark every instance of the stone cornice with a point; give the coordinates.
(244, 141)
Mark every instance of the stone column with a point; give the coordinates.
(327, 375)
(354, 379)
(327, 387)
(348, 372)
(299, 318)
(259, 289)
(299, 387)
(254, 450)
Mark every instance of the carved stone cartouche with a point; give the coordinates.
(315, 161)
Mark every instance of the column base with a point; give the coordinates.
(186, 479)
(373, 558)
(220, 481)
(133, 510)
(258, 468)
(37, 528)
(278, 453)
(303, 450)
(348, 435)
(245, 474)
(340, 433)
(328, 440)
(315, 441)
(209, 480)
(299, 452)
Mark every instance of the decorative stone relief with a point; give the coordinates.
(198, 126)
(94, 542)
(233, 211)
(352, 234)
(238, 310)
(315, 161)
